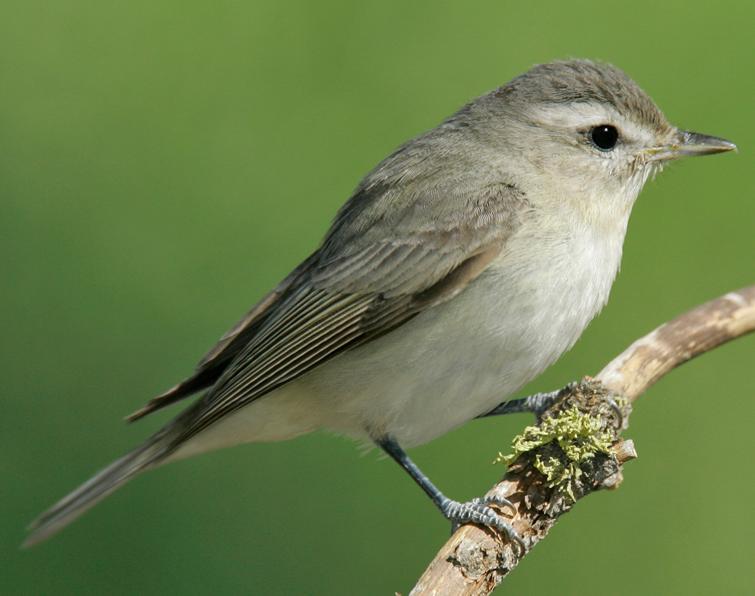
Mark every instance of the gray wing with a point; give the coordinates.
(368, 277)
(372, 273)
(213, 364)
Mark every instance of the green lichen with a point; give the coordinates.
(564, 442)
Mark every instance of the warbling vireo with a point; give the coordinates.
(462, 266)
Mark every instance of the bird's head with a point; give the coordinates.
(585, 132)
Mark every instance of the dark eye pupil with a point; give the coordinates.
(604, 136)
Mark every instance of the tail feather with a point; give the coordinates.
(97, 488)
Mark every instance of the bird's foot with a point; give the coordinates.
(535, 404)
(479, 511)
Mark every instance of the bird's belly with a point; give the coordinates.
(455, 361)
(446, 366)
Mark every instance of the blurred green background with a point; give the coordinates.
(163, 164)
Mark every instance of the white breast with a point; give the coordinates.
(451, 362)
(462, 358)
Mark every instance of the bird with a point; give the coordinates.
(461, 267)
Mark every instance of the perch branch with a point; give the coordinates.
(475, 559)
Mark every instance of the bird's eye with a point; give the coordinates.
(604, 137)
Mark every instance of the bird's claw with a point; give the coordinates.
(618, 412)
(501, 502)
(478, 511)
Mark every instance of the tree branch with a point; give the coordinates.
(475, 559)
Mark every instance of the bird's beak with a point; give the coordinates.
(689, 143)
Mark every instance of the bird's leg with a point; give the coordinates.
(536, 403)
(476, 511)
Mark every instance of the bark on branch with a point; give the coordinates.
(475, 559)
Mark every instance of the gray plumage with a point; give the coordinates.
(463, 265)
(583, 81)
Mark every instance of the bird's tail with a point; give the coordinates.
(100, 486)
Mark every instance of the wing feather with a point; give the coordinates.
(355, 288)
(212, 365)
(300, 345)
